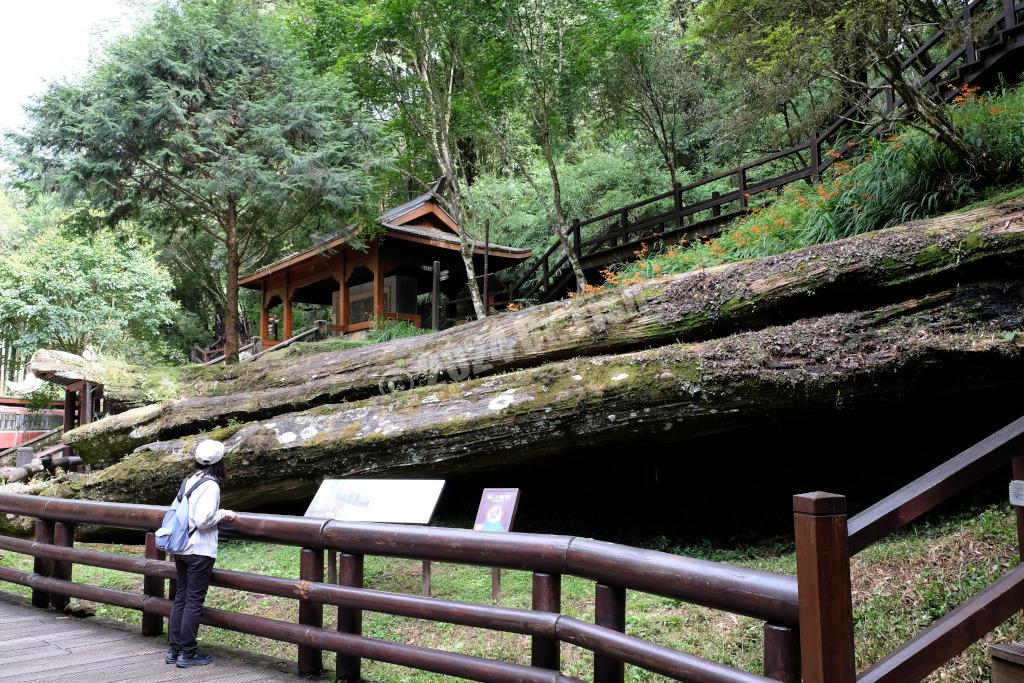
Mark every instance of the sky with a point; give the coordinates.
(46, 40)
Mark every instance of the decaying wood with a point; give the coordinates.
(924, 347)
(859, 272)
(16, 474)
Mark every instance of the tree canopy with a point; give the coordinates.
(204, 122)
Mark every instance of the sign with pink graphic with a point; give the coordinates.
(497, 510)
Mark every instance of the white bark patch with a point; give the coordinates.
(619, 377)
(287, 437)
(578, 378)
(430, 398)
(307, 433)
(611, 418)
(502, 401)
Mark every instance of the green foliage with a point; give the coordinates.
(204, 127)
(905, 177)
(68, 292)
(386, 329)
(595, 181)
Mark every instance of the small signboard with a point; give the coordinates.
(400, 501)
(497, 510)
(1017, 493)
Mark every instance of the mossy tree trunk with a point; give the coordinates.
(860, 272)
(923, 347)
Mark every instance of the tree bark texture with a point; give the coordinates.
(933, 345)
(858, 273)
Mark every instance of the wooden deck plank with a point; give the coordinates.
(37, 646)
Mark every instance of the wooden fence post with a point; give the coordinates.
(716, 210)
(677, 201)
(781, 653)
(610, 612)
(741, 182)
(435, 297)
(815, 158)
(823, 584)
(577, 241)
(350, 620)
(63, 534)
(547, 597)
(1009, 13)
(311, 568)
(42, 567)
(969, 50)
(152, 624)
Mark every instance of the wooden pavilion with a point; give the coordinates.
(382, 280)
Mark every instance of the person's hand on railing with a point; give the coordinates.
(229, 516)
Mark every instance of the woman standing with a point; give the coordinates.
(195, 562)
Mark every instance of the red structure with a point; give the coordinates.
(19, 424)
(382, 280)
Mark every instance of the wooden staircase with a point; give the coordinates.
(994, 52)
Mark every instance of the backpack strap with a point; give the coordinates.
(189, 493)
(196, 485)
(181, 490)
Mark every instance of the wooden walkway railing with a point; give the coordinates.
(694, 211)
(614, 568)
(826, 624)
(808, 620)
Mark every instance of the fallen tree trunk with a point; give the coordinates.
(11, 475)
(932, 346)
(855, 273)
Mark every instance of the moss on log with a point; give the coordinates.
(867, 270)
(924, 347)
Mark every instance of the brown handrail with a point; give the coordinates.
(750, 592)
(813, 170)
(825, 541)
(953, 633)
(936, 486)
(614, 567)
(437, 661)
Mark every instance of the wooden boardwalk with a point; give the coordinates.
(39, 645)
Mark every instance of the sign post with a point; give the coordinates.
(497, 512)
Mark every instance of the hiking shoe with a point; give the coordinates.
(197, 658)
(172, 656)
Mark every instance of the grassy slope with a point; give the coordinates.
(900, 586)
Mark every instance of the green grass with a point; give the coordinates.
(904, 177)
(899, 586)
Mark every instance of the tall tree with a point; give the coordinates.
(204, 117)
(66, 292)
(655, 82)
(852, 45)
(409, 58)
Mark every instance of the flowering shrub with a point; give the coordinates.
(905, 176)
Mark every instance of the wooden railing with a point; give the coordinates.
(823, 569)
(614, 568)
(808, 629)
(701, 209)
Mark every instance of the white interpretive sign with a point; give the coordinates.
(1017, 493)
(401, 501)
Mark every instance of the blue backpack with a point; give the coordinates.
(174, 533)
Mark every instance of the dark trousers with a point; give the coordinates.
(193, 581)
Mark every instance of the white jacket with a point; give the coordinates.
(204, 514)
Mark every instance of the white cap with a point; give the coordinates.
(209, 452)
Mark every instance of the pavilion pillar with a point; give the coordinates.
(378, 283)
(287, 308)
(264, 318)
(343, 295)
